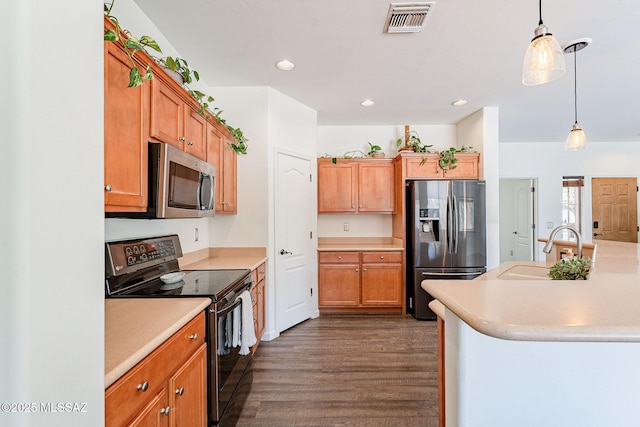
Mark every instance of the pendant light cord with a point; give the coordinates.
(540, 12)
(575, 86)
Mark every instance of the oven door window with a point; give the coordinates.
(184, 186)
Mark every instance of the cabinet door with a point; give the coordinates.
(222, 156)
(418, 167)
(466, 167)
(195, 134)
(337, 187)
(166, 114)
(376, 191)
(154, 414)
(188, 389)
(126, 125)
(338, 285)
(382, 284)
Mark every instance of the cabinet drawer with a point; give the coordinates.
(378, 257)
(339, 257)
(123, 398)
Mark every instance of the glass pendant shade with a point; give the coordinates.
(577, 140)
(544, 60)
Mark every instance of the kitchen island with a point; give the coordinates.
(533, 352)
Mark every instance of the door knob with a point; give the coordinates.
(515, 232)
(596, 234)
(283, 252)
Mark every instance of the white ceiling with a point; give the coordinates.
(469, 49)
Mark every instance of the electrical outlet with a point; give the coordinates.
(550, 225)
(195, 234)
(346, 226)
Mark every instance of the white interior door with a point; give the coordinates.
(517, 220)
(294, 259)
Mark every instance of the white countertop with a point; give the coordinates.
(605, 308)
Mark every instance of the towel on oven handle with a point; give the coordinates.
(247, 332)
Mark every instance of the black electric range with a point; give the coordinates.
(134, 269)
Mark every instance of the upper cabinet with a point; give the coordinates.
(126, 132)
(221, 155)
(159, 110)
(356, 186)
(175, 121)
(425, 166)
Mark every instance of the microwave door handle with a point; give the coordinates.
(210, 196)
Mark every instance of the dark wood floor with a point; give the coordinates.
(356, 370)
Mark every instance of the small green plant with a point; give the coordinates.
(240, 146)
(373, 149)
(414, 143)
(570, 269)
(448, 159)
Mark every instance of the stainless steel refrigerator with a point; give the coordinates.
(446, 236)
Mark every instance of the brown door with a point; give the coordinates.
(615, 209)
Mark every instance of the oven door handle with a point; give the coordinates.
(227, 309)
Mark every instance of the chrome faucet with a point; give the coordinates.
(549, 244)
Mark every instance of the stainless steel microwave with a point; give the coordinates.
(180, 185)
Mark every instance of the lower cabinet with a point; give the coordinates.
(258, 277)
(168, 387)
(360, 282)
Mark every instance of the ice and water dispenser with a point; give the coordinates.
(429, 225)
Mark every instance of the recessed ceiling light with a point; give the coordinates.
(367, 103)
(459, 102)
(285, 65)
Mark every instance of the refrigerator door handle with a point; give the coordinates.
(476, 273)
(449, 242)
(454, 224)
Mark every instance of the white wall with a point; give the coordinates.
(480, 130)
(51, 221)
(271, 121)
(548, 162)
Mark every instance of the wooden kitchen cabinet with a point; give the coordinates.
(360, 282)
(174, 121)
(415, 166)
(126, 129)
(356, 186)
(224, 158)
(168, 387)
(258, 277)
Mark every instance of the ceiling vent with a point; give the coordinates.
(407, 17)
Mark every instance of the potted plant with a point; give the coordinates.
(375, 151)
(571, 268)
(413, 143)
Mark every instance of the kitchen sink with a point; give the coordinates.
(525, 272)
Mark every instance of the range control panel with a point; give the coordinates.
(132, 255)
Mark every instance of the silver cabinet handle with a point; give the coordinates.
(381, 257)
(182, 139)
(165, 410)
(339, 257)
(143, 386)
(357, 270)
(364, 269)
(108, 187)
(180, 391)
(190, 143)
(193, 337)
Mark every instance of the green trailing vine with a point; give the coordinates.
(447, 160)
(178, 65)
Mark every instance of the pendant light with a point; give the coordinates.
(544, 60)
(577, 140)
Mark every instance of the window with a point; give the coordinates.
(572, 201)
